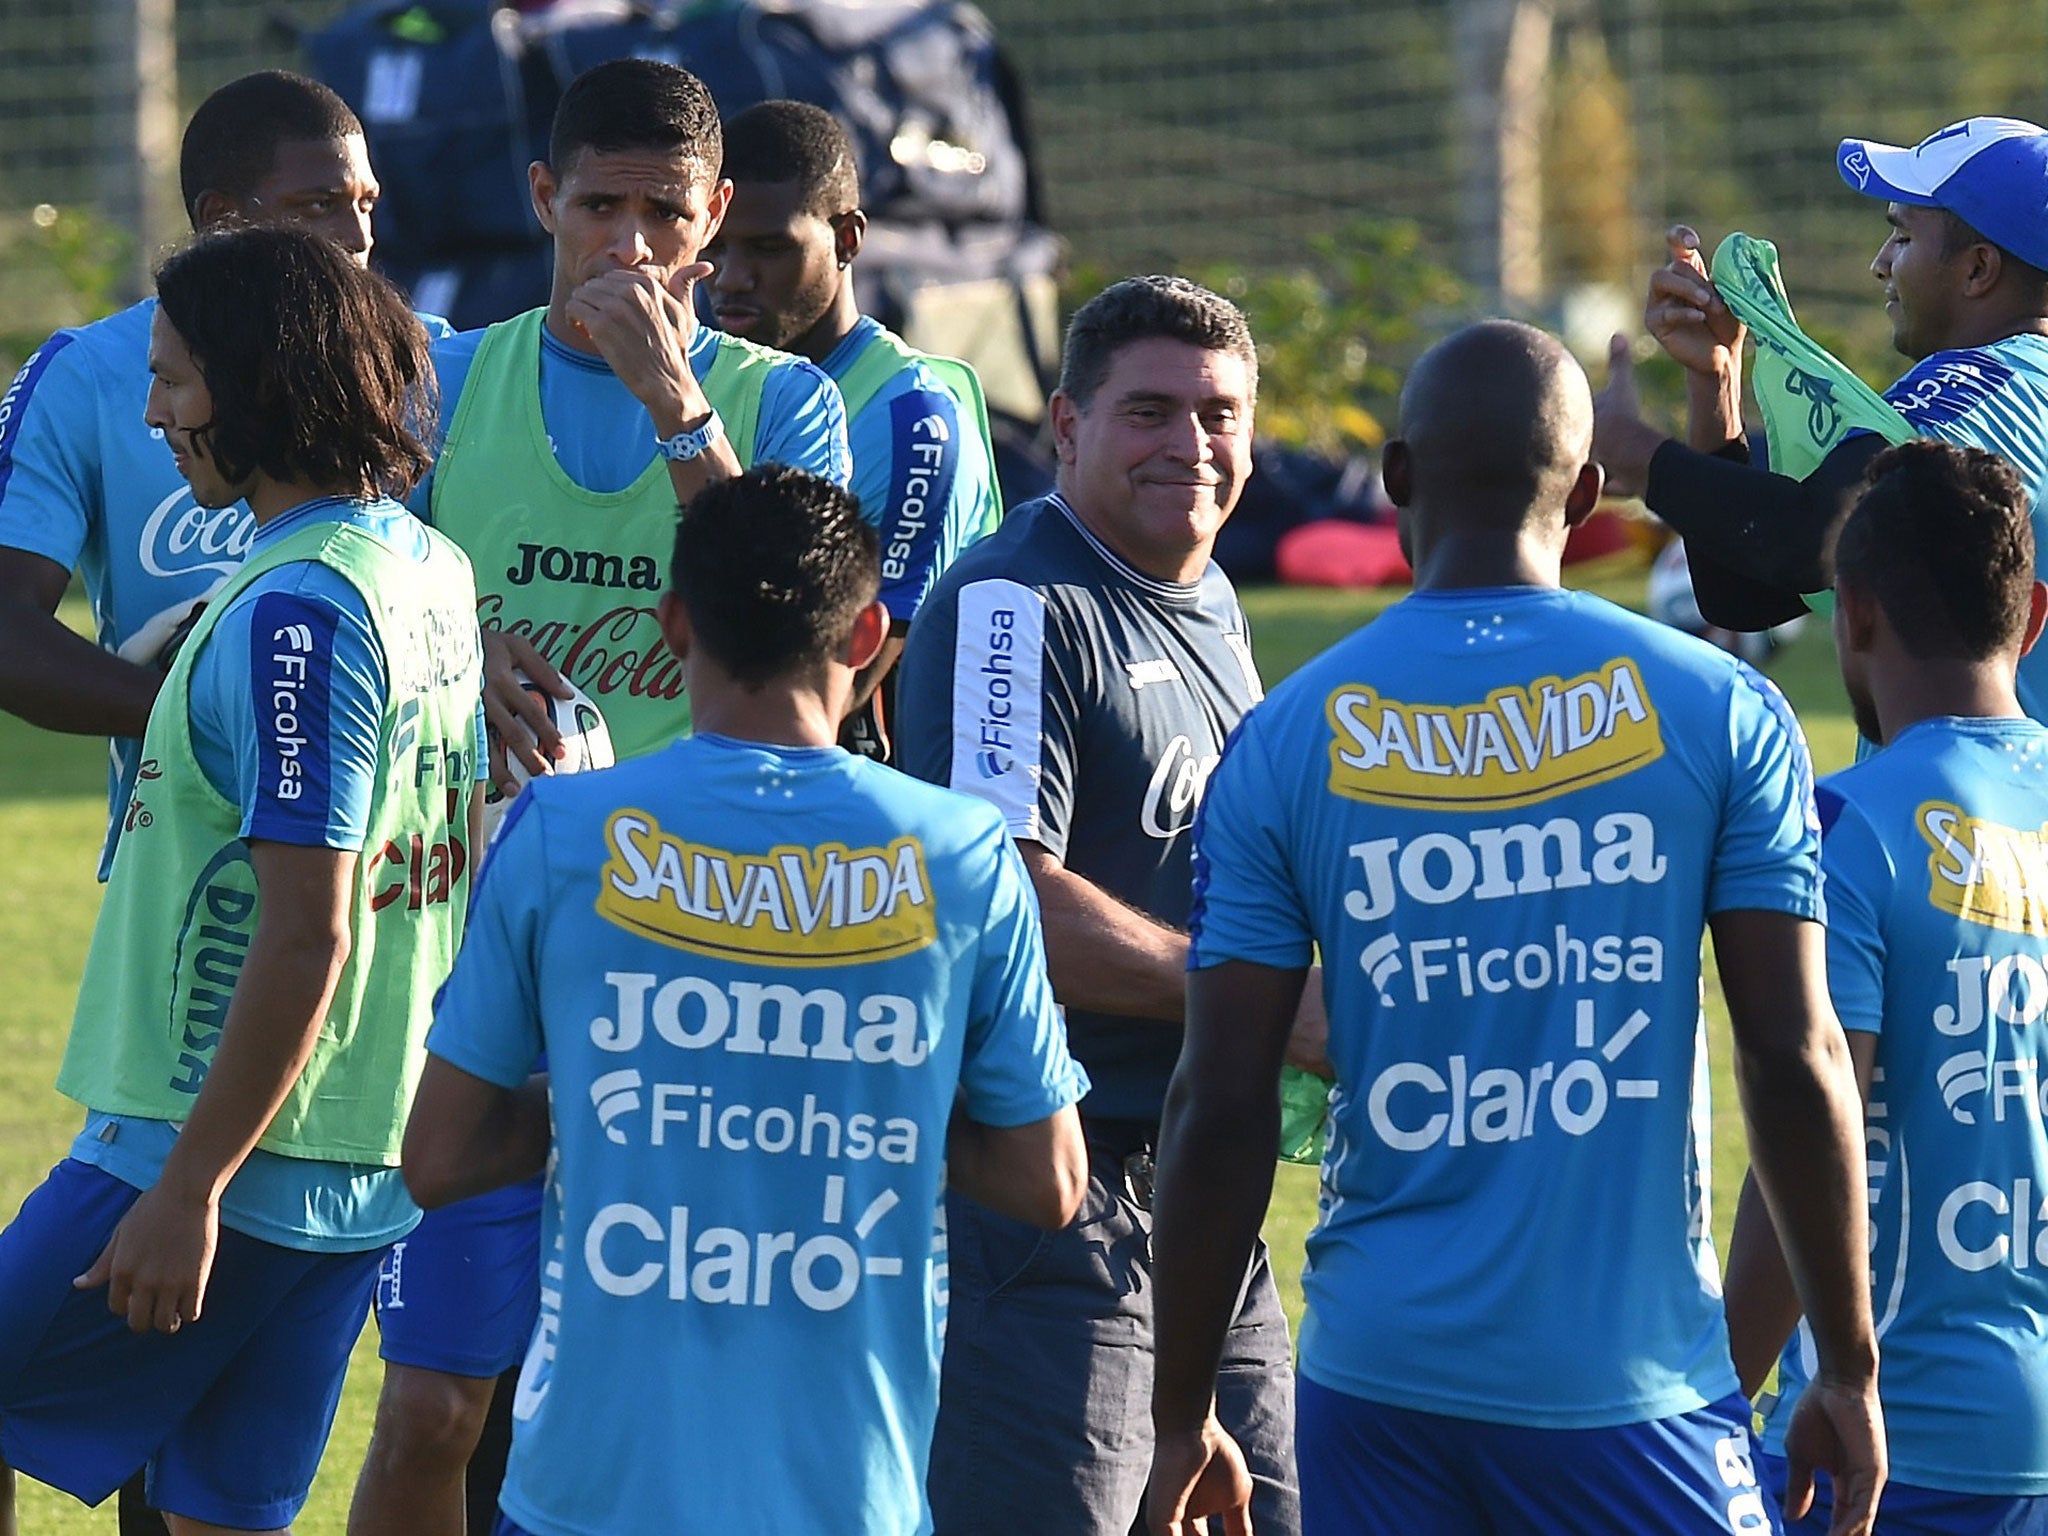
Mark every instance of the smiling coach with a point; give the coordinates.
(1080, 668)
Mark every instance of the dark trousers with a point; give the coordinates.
(1045, 1410)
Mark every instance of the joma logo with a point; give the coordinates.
(584, 567)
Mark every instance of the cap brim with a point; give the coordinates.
(1887, 171)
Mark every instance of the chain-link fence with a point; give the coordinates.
(1183, 132)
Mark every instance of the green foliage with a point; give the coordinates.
(1337, 332)
(58, 267)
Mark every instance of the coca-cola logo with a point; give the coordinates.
(181, 536)
(618, 651)
(1176, 789)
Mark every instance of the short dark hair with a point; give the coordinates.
(1942, 537)
(636, 104)
(1139, 308)
(231, 143)
(773, 568)
(783, 141)
(1957, 232)
(318, 370)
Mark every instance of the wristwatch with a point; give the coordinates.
(687, 445)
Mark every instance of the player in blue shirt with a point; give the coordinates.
(86, 485)
(923, 470)
(1504, 812)
(567, 446)
(295, 705)
(1937, 907)
(785, 996)
(1965, 275)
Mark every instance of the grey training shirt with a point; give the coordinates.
(1089, 703)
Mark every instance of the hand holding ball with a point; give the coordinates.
(586, 742)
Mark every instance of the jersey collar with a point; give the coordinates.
(1172, 591)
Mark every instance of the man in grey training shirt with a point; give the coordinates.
(1081, 668)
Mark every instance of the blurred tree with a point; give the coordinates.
(58, 267)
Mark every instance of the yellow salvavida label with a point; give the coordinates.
(1522, 744)
(1983, 872)
(799, 906)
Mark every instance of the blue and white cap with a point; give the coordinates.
(1990, 172)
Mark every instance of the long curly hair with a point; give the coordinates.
(318, 370)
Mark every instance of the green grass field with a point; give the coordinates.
(52, 810)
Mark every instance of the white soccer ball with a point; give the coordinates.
(584, 733)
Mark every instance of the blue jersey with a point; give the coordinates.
(603, 437)
(921, 474)
(322, 710)
(761, 976)
(1996, 398)
(1936, 856)
(1505, 817)
(85, 483)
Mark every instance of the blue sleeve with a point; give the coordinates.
(1859, 876)
(906, 472)
(288, 704)
(49, 454)
(487, 1014)
(436, 327)
(453, 353)
(1015, 1069)
(1767, 850)
(803, 422)
(1247, 903)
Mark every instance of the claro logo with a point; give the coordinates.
(1520, 746)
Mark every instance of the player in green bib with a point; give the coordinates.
(182, 1293)
(573, 432)
(923, 467)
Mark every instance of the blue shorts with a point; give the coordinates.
(228, 1415)
(461, 1293)
(1371, 1470)
(1904, 1510)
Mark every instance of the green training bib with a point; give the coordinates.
(578, 572)
(182, 903)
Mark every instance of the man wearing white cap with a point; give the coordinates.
(1965, 274)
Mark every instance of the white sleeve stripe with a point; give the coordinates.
(998, 667)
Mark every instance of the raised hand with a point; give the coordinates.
(641, 325)
(1685, 313)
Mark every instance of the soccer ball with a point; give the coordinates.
(584, 734)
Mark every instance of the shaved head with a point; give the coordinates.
(1498, 421)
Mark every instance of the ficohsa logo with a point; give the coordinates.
(1519, 746)
(792, 906)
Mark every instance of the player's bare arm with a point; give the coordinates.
(1763, 1308)
(1215, 1180)
(1107, 957)
(158, 1262)
(1035, 1173)
(52, 677)
(1799, 1099)
(467, 1136)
